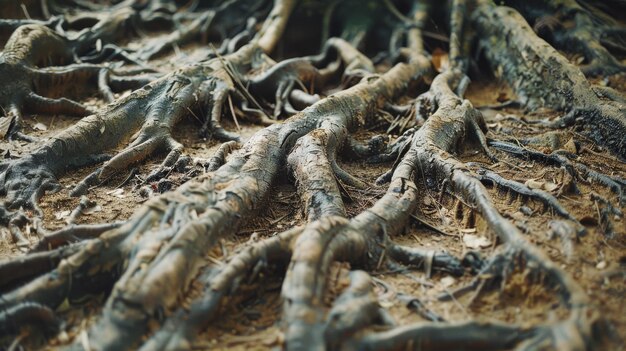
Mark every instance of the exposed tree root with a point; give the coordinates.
(151, 262)
(572, 27)
(18, 271)
(179, 331)
(465, 336)
(32, 85)
(354, 310)
(537, 194)
(72, 233)
(575, 169)
(15, 319)
(540, 76)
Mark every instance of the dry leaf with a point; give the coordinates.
(447, 281)
(40, 126)
(62, 214)
(440, 59)
(475, 241)
(533, 184)
(570, 146)
(5, 125)
(549, 186)
(119, 193)
(92, 209)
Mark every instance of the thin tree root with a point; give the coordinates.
(575, 169)
(72, 233)
(460, 336)
(537, 194)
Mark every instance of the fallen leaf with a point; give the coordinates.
(92, 209)
(62, 214)
(440, 60)
(447, 281)
(549, 186)
(533, 184)
(475, 241)
(119, 193)
(5, 125)
(570, 146)
(40, 126)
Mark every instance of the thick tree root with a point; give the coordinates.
(587, 36)
(32, 85)
(428, 148)
(540, 76)
(181, 329)
(14, 320)
(355, 309)
(153, 110)
(134, 298)
(17, 271)
(219, 159)
(31, 46)
(150, 262)
(312, 167)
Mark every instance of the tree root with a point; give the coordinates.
(150, 262)
(17, 271)
(586, 36)
(355, 309)
(575, 169)
(154, 110)
(312, 167)
(540, 76)
(28, 314)
(537, 194)
(464, 336)
(432, 159)
(33, 87)
(181, 329)
(72, 233)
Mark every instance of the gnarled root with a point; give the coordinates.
(355, 309)
(574, 28)
(540, 76)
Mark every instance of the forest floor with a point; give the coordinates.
(596, 262)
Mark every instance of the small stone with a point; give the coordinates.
(601, 265)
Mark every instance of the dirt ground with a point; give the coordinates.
(596, 261)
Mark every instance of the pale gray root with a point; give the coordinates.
(540, 76)
(355, 309)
